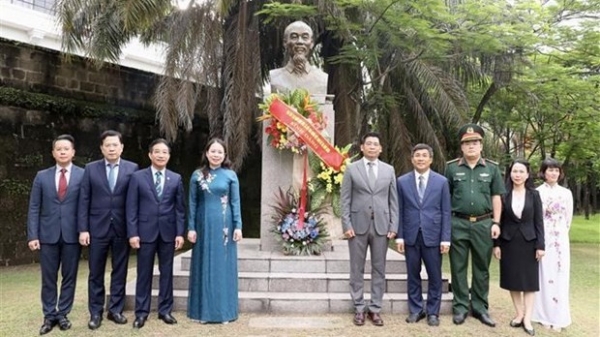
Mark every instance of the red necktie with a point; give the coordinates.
(62, 185)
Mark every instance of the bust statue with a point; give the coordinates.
(298, 73)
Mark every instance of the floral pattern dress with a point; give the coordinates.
(551, 305)
(214, 213)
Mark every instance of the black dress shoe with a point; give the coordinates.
(414, 318)
(167, 319)
(516, 324)
(139, 322)
(47, 326)
(117, 318)
(359, 318)
(485, 319)
(433, 320)
(64, 323)
(95, 322)
(530, 332)
(459, 318)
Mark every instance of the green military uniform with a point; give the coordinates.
(472, 190)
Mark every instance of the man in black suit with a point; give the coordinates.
(52, 229)
(102, 226)
(155, 226)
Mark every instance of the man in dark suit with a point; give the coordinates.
(369, 218)
(102, 226)
(52, 229)
(423, 232)
(155, 226)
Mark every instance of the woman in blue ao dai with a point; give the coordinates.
(215, 228)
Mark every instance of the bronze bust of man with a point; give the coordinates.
(298, 73)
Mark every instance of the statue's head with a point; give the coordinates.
(298, 41)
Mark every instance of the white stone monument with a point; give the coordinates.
(282, 169)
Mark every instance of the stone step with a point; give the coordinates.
(251, 259)
(300, 282)
(295, 302)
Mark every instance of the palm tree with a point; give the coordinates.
(407, 83)
(211, 49)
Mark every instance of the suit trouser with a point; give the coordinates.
(63, 256)
(358, 245)
(432, 258)
(475, 238)
(119, 248)
(145, 268)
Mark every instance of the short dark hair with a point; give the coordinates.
(550, 163)
(528, 183)
(422, 146)
(64, 137)
(370, 134)
(110, 133)
(158, 141)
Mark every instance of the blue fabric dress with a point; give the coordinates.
(214, 209)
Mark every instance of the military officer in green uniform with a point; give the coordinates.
(476, 186)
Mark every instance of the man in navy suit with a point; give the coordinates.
(102, 227)
(423, 232)
(155, 226)
(52, 229)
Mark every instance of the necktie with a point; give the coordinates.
(157, 184)
(421, 187)
(371, 174)
(112, 179)
(62, 185)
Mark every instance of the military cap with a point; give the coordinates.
(470, 132)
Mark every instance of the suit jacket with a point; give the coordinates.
(360, 204)
(432, 215)
(99, 208)
(48, 218)
(149, 216)
(531, 223)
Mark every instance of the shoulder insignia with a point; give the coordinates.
(491, 161)
(452, 161)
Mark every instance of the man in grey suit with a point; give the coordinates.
(369, 218)
(423, 232)
(52, 229)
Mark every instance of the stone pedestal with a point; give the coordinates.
(279, 170)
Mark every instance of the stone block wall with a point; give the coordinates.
(37, 83)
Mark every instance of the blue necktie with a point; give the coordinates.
(421, 187)
(112, 179)
(157, 184)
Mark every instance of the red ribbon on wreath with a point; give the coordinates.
(313, 139)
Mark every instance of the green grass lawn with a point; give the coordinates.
(20, 308)
(585, 231)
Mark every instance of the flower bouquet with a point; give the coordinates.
(299, 234)
(326, 183)
(279, 136)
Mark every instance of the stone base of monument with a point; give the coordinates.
(270, 282)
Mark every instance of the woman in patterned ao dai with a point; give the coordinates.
(215, 228)
(551, 307)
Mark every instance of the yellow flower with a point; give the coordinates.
(329, 188)
(338, 178)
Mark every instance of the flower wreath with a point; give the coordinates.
(279, 136)
(326, 183)
(296, 240)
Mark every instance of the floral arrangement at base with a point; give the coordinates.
(279, 136)
(297, 239)
(326, 183)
